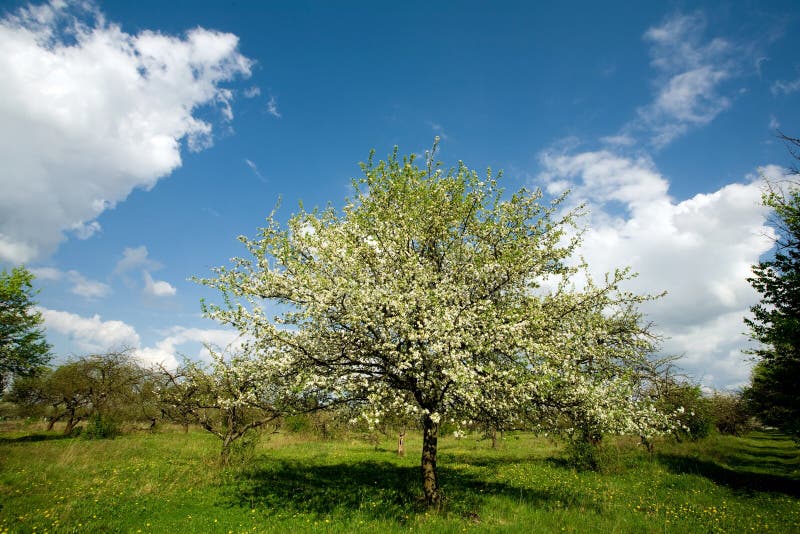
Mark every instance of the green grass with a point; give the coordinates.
(170, 482)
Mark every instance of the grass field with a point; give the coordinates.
(170, 482)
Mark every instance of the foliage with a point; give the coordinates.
(109, 385)
(23, 349)
(584, 455)
(230, 400)
(100, 427)
(435, 295)
(776, 319)
(691, 410)
(730, 413)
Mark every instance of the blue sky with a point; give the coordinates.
(140, 139)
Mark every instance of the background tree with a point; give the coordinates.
(178, 394)
(63, 393)
(730, 413)
(692, 411)
(425, 297)
(109, 387)
(230, 399)
(23, 349)
(776, 319)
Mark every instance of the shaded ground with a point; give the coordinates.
(381, 490)
(762, 461)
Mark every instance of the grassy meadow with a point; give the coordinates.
(168, 481)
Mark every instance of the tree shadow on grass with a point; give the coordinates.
(30, 438)
(379, 490)
(738, 479)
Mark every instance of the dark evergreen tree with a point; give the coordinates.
(775, 324)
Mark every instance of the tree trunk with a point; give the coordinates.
(225, 453)
(72, 422)
(494, 437)
(51, 422)
(401, 443)
(430, 482)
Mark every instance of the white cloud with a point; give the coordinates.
(166, 351)
(81, 286)
(785, 87)
(773, 123)
(89, 289)
(690, 72)
(135, 258)
(272, 107)
(91, 334)
(699, 250)
(89, 112)
(157, 288)
(46, 273)
(86, 230)
(618, 140)
(252, 92)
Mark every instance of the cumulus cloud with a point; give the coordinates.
(84, 230)
(89, 289)
(166, 351)
(81, 286)
(91, 333)
(138, 259)
(89, 112)
(699, 250)
(135, 258)
(690, 71)
(157, 288)
(46, 273)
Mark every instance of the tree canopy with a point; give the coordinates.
(433, 293)
(776, 318)
(108, 386)
(229, 399)
(23, 348)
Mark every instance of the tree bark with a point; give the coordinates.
(430, 482)
(51, 422)
(401, 443)
(225, 453)
(72, 422)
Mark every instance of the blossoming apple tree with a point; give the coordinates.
(434, 293)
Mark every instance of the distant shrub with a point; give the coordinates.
(691, 410)
(297, 423)
(730, 414)
(99, 427)
(584, 455)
